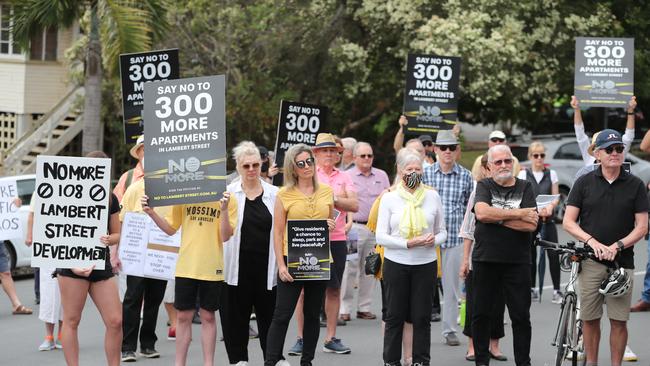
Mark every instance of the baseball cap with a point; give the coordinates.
(497, 135)
(424, 138)
(608, 138)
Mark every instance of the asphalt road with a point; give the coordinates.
(21, 335)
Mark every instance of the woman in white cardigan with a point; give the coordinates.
(409, 226)
(249, 260)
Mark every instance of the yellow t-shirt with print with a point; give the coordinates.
(302, 207)
(201, 253)
(131, 201)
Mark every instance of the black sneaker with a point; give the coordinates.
(128, 356)
(149, 353)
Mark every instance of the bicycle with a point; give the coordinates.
(568, 334)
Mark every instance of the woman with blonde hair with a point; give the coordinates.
(301, 197)
(410, 224)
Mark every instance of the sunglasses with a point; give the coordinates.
(249, 166)
(502, 162)
(538, 156)
(610, 149)
(302, 164)
(497, 140)
(445, 147)
(365, 156)
(427, 143)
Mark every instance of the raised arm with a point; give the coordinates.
(161, 222)
(628, 136)
(579, 128)
(398, 143)
(224, 220)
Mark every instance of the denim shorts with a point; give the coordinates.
(4, 258)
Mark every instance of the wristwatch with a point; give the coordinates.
(621, 246)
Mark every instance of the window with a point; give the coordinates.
(43, 45)
(569, 151)
(7, 45)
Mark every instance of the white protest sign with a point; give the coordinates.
(70, 212)
(10, 227)
(544, 200)
(145, 250)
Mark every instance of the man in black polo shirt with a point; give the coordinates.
(607, 209)
(506, 215)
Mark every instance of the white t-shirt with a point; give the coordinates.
(538, 175)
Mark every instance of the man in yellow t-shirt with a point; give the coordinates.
(199, 269)
(140, 290)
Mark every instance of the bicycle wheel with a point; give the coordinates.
(576, 360)
(562, 340)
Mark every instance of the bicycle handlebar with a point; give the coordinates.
(569, 247)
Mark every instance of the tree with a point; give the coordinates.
(114, 27)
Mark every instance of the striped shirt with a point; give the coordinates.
(454, 189)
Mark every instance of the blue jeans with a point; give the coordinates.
(645, 295)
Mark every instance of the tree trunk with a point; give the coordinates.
(93, 126)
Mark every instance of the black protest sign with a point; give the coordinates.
(185, 140)
(136, 69)
(70, 212)
(298, 123)
(308, 255)
(431, 95)
(604, 71)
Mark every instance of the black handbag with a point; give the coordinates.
(373, 264)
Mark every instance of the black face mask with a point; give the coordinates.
(265, 167)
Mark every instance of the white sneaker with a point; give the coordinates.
(241, 363)
(581, 356)
(58, 344)
(629, 356)
(557, 297)
(283, 363)
(47, 345)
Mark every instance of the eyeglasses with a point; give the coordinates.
(538, 156)
(302, 164)
(497, 140)
(445, 147)
(249, 166)
(610, 149)
(427, 143)
(365, 156)
(502, 162)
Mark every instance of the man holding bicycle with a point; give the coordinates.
(608, 210)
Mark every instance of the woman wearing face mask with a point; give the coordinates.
(409, 225)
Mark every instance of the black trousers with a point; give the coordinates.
(285, 304)
(496, 320)
(548, 231)
(139, 289)
(237, 306)
(514, 279)
(408, 292)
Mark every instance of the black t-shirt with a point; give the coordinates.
(256, 227)
(495, 242)
(607, 210)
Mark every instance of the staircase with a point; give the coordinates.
(56, 129)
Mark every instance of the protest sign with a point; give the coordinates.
(10, 226)
(308, 255)
(145, 250)
(136, 69)
(298, 123)
(70, 212)
(431, 96)
(185, 140)
(604, 71)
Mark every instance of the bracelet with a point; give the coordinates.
(630, 113)
(587, 241)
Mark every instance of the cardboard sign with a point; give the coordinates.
(136, 69)
(70, 212)
(604, 71)
(145, 250)
(10, 225)
(298, 123)
(308, 255)
(431, 96)
(185, 140)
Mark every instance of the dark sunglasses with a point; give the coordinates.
(302, 164)
(248, 166)
(497, 140)
(610, 149)
(365, 156)
(445, 147)
(427, 143)
(538, 156)
(502, 162)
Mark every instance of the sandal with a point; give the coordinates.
(469, 357)
(22, 310)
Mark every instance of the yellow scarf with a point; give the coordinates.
(412, 222)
